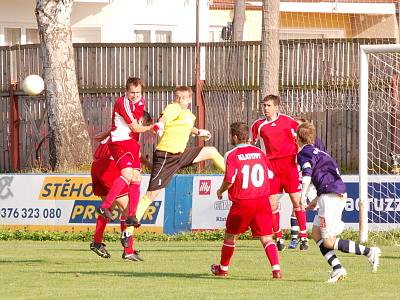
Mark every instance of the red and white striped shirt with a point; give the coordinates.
(125, 112)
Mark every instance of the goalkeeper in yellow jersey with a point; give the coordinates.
(175, 127)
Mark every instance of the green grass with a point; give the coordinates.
(180, 270)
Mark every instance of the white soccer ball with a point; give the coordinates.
(33, 85)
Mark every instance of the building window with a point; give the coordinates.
(12, 36)
(18, 35)
(215, 33)
(142, 36)
(152, 34)
(163, 36)
(32, 36)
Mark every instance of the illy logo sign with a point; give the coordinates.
(205, 187)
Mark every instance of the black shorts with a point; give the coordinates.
(165, 165)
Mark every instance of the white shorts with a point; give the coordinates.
(311, 193)
(329, 216)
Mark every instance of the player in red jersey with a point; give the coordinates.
(104, 171)
(276, 133)
(246, 180)
(124, 148)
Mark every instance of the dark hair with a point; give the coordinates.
(300, 119)
(306, 133)
(135, 81)
(181, 89)
(274, 98)
(241, 130)
(146, 118)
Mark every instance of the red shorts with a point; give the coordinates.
(255, 214)
(126, 154)
(286, 175)
(104, 171)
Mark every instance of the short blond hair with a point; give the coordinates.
(181, 89)
(306, 133)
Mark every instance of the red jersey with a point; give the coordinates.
(277, 137)
(125, 112)
(246, 168)
(102, 150)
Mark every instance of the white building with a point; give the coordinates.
(111, 21)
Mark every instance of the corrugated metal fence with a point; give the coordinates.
(319, 79)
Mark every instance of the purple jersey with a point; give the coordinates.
(322, 169)
(319, 145)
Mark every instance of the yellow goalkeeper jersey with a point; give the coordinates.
(178, 128)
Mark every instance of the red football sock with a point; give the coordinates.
(276, 224)
(228, 247)
(301, 220)
(101, 223)
(134, 197)
(116, 188)
(272, 254)
(122, 225)
(129, 249)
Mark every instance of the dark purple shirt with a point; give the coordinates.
(322, 169)
(319, 145)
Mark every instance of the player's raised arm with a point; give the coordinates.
(136, 127)
(204, 133)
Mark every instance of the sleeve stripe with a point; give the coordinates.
(234, 176)
(128, 109)
(306, 165)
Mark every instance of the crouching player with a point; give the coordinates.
(247, 182)
(321, 169)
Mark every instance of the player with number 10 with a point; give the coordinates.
(247, 182)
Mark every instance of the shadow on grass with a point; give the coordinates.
(167, 275)
(24, 261)
(390, 257)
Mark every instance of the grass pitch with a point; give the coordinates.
(180, 270)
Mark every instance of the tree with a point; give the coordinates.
(238, 20)
(68, 136)
(270, 50)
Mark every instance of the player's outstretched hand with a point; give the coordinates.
(158, 128)
(219, 195)
(205, 134)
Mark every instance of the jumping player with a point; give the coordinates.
(104, 171)
(175, 127)
(125, 149)
(246, 180)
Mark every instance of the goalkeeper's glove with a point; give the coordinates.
(159, 128)
(204, 133)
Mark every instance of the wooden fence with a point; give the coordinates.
(318, 78)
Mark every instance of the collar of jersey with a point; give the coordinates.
(242, 145)
(132, 101)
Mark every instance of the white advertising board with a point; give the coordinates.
(384, 205)
(60, 202)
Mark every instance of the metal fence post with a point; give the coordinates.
(14, 128)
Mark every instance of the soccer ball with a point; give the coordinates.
(33, 85)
